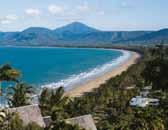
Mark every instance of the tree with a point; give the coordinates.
(15, 123)
(58, 122)
(19, 95)
(3, 119)
(2, 116)
(33, 126)
(52, 99)
(53, 102)
(62, 125)
(155, 71)
(147, 119)
(44, 101)
(9, 121)
(159, 51)
(7, 73)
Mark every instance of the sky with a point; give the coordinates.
(17, 15)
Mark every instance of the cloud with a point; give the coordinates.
(5, 21)
(125, 5)
(56, 10)
(12, 17)
(68, 11)
(33, 12)
(83, 8)
(8, 19)
(101, 13)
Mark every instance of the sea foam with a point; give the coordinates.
(83, 77)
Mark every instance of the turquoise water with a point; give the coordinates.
(53, 67)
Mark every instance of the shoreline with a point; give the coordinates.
(90, 85)
(81, 78)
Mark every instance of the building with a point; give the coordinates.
(85, 122)
(143, 100)
(29, 114)
(32, 113)
(140, 101)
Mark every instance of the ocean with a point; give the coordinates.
(54, 67)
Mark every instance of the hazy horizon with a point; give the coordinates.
(81, 23)
(116, 15)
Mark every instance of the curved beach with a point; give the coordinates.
(95, 83)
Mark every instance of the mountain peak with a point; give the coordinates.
(36, 29)
(75, 27)
(76, 23)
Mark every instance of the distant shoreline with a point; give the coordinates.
(86, 76)
(79, 90)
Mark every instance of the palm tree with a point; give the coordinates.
(2, 116)
(58, 98)
(4, 119)
(19, 95)
(7, 73)
(51, 99)
(44, 100)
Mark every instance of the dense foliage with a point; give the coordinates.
(19, 95)
(50, 100)
(156, 70)
(7, 73)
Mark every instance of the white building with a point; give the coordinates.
(140, 101)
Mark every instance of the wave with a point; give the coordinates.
(83, 77)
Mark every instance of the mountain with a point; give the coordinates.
(112, 37)
(74, 31)
(75, 28)
(155, 37)
(33, 36)
(36, 36)
(79, 34)
(6, 38)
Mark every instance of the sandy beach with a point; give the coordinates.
(95, 83)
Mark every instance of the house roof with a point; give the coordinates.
(29, 114)
(32, 113)
(85, 122)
